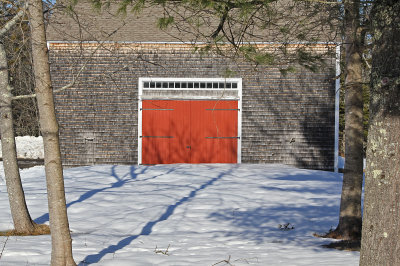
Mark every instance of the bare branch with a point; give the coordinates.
(13, 21)
(164, 252)
(27, 96)
(72, 83)
(221, 24)
(366, 61)
(74, 78)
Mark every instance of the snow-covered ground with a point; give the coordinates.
(195, 214)
(28, 147)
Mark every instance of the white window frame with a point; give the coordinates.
(238, 81)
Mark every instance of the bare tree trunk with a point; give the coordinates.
(23, 223)
(381, 225)
(60, 234)
(349, 227)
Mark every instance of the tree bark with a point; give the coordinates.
(350, 221)
(60, 235)
(381, 226)
(23, 223)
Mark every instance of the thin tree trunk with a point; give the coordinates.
(23, 223)
(60, 235)
(349, 227)
(381, 226)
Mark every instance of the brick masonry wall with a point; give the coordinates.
(285, 119)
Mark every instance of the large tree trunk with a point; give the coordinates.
(349, 227)
(23, 223)
(60, 234)
(381, 226)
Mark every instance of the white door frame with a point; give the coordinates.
(237, 81)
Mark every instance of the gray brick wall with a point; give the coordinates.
(285, 119)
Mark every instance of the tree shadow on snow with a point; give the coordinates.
(295, 183)
(274, 224)
(313, 190)
(120, 181)
(147, 229)
(327, 177)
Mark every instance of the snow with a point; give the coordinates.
(28, 147)
(203, 214)
(341, 162)
(182, 214)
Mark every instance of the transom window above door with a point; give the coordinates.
(189, 85)
(190, 88)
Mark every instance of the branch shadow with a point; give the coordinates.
(147, 229)
(306, 177)
(311, 214)
(299, 190)
(262, 224)
(120, 181)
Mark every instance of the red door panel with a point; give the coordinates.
(156, 131)
(155, 151)
(189, 131)
(155, 118)
(214, 131)
(180, 129)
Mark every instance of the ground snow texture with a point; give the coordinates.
(203, 214)
(28, 147)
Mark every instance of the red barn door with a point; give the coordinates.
(214, 131)
(189, 131)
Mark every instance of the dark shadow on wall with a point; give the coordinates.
(147, 229)
(320, 122)
(294, 119)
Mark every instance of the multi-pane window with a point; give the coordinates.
(189, 85)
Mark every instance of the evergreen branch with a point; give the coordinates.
(229, 4)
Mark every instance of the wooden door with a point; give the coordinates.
(214, 131)
(189, 131)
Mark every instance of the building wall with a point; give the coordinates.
(285, 119)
